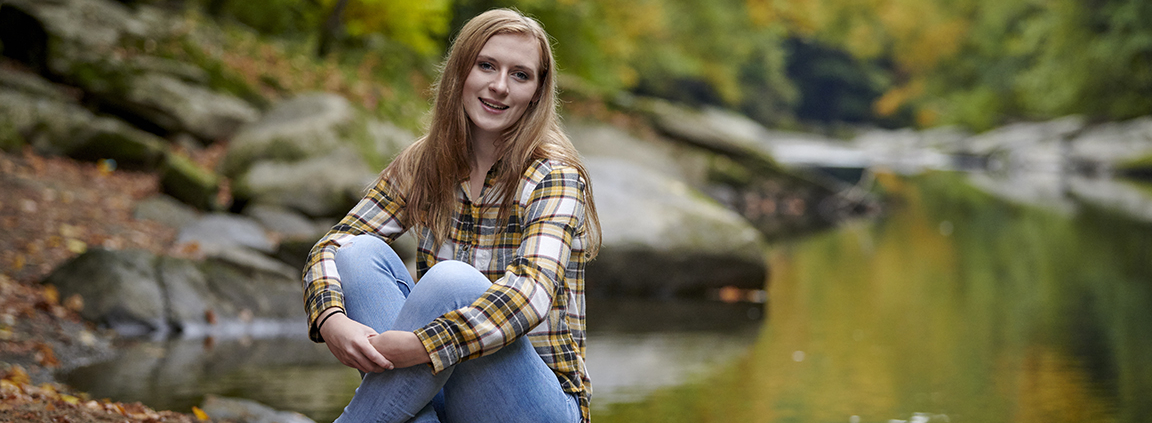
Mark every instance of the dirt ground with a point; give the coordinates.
(51, 210)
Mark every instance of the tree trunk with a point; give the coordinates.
(331, 29)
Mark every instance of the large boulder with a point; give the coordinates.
(1123, 146)
(305, 126)
(662, 238)
(119, 289)
(218, 232)
(314, 153)
(711, 128)
(328, 185)
(248, 411)
(178, 106)
(59, 126)
(95, 45)
(137, 293)
(672, 159)
(185, 180)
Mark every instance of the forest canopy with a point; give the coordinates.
(976, 63)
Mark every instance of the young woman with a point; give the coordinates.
(503, 212)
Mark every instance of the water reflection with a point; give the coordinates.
(635, 347)
(956, 307)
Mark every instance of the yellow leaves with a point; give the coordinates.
(18, 262)
(200, 414)
(71, 400)
(75, 246)
(17, 375)
(416, 24)
(74, 303)
(891, 101)
(51, 294)
(45, 356)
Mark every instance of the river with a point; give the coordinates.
(953, 307)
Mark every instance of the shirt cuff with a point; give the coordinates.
(439, 344)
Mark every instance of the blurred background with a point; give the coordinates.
(814, 211)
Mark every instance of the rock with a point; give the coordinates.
(179, 106)
(30, 84)
(107, 138)
(1124, 197)
(323, 186)
(166, 210)
(302, 127)
(250, 293)
(183, 179)
(237, 292)
(188, 299)
(253, 262)
(221, 231)
(183, 71)
(672, 159)
(388, 140)
(64, 128)
(684, 244)
(285, 222)
(49, 125)
(11, 140)
(1027, 146)
(248, 411)
(1119, 145)
(711, 128)
(119, 288)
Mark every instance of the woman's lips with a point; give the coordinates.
(493, 105)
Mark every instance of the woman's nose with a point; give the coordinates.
(499, 85)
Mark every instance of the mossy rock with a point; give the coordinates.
(188, 182)
(1141, 165)
(10, 139)
(107, 138)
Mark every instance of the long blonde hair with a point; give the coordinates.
(429, 171)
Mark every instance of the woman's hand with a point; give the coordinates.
(348, 340)
(403, 348)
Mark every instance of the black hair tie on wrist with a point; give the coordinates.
(325, 319)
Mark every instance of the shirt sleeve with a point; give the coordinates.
(380, 213)
(521, 299)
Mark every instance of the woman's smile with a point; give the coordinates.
(502, 84)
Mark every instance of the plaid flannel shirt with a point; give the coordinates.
(536, 266)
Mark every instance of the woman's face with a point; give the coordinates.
(501, 84)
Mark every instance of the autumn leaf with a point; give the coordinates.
(51, 295)
(200, 414)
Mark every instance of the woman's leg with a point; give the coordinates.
(374, 279)
(376, 283)
(512, 384)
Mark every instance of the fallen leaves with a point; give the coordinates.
(56, 208)
(20, 400)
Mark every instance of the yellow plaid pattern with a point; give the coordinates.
(536, 265)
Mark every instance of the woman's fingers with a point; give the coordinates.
(348, 340)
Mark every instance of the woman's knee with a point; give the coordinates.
(362, 249)
(447, 286)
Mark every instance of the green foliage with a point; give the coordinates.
(976, 63)
(272, 17)
(419, 25)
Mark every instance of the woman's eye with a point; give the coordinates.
(486, 66)
(523, 76)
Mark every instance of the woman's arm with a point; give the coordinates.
(552, 216)
(379, 213)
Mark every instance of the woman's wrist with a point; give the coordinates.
(327, 314)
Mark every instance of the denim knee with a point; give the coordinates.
(455, 278)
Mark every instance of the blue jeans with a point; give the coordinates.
(510, 385)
